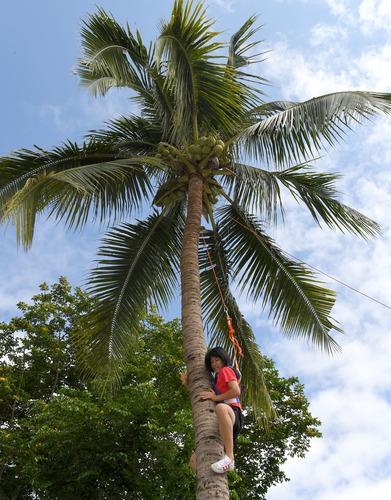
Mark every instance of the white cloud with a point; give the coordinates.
(371, 66)
(331, 34)
(375, 15)
(335, 65)
(54, 253)
(303, 77)
(339, 8)
(227, 5)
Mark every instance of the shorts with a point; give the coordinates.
(239, 421)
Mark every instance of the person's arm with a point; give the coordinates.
(233, 392)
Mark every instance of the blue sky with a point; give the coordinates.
(317, 46)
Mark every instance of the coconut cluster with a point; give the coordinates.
(205, 148)
(166, 151)
(207, 156)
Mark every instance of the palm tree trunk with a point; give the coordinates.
(208, 445)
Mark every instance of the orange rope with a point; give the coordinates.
(231, 331)
(235, 342)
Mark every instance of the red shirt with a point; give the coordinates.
(221, 386)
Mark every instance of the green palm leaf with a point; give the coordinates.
(256, 189)
(240, 48)
(103, 192)
(26, 164)
(128, 274)
(299, 130)
(185, 43)
(112, 52)
(37, 180)
(131, 135)
(206, 96)
(317, 191)
(114, 57)
(297, 302)
(241, 53)
(215, 271)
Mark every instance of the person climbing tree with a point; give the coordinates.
(225, 392)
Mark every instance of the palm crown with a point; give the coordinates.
(200, 116)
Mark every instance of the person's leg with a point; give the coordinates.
(238, 424)
(226, 420)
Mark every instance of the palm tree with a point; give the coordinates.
(193, 152)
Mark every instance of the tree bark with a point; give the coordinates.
(208, 445)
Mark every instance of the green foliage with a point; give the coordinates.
(68, 441)
(37, 360)
(39, 357)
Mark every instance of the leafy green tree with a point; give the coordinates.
(37, 359)
(37, 343)
(76, 443)
(193, 151)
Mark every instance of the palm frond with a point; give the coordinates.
(317, 191)
(103, 192)
(214, 268)
(111, 51)
(296, 131)
(255, 189)
(206, 94)
(297, 302)
(25, 164)
(269, 109)
(240, 47)
(241, 52)
(115, 57)
(137, 262)
(73, 183)
(131, 135)
(185, 43)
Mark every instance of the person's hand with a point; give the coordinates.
(184, 378)
(208, 395)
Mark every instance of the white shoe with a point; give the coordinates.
(223, 465)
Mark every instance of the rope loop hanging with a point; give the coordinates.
(236, 345)
(237, 349)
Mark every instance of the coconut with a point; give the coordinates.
(211, 141)
(218, 149)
